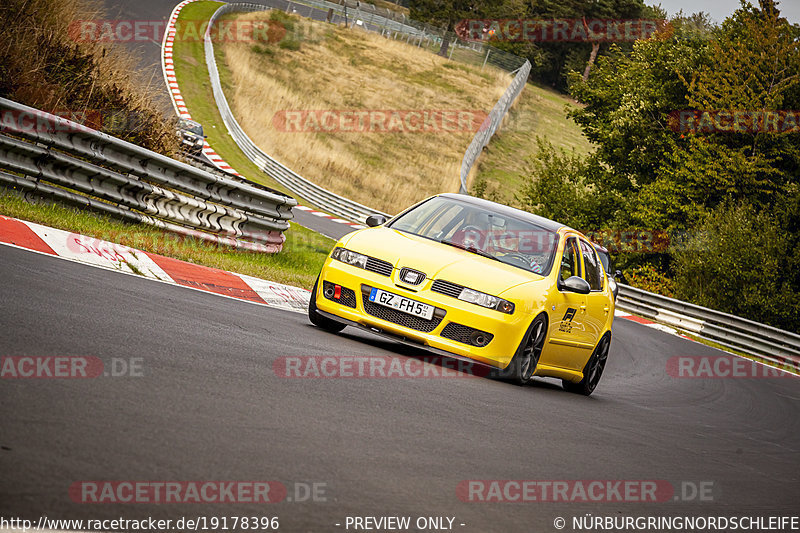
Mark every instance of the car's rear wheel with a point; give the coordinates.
(522, 367)
(593, 370)
(317, 319)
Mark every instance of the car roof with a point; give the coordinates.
(544, 223)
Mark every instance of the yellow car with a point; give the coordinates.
(472, 279)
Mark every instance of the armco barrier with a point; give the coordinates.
(492, 122)
(325, 199)
(772, 344)
(94, 170)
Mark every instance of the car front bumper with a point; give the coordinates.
(355, 309)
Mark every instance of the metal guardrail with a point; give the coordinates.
(769, 343)
(97, 171)
(325, 199)
(772, 344)
(492, 122)
(353, 11)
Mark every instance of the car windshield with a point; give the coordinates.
(504, 238)
(193, 127)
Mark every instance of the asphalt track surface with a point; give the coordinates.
(210, 407)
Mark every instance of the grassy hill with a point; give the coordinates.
(539, 111)
(319, 67)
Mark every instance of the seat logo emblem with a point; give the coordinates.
(412, 277)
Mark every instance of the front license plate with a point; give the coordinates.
(401, 303)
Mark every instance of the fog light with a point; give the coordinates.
(478, 339)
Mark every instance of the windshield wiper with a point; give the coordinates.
(472, 249)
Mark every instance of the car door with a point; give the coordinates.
(597, 301)
(569, 343)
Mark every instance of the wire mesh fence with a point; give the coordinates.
(394, 24)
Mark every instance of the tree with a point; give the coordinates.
(560, 186)
(629, 101)
(753, 67)
(739, 260)
(719, 185)
(554, 60)
(446, 14)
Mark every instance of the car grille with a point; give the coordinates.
(347, 296)
(466, 334)
(398, 317)
(447, 287)
(379, 266)
(420, 276)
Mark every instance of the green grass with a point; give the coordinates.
(304, 251)
(195, 85)
(298, 264)
(503, 168)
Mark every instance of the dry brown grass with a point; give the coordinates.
(349, 69)
(43, 66)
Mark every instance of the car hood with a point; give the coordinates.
(438, 261)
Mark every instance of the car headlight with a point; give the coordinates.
(198, 141)
(486, 300)
(351, 258)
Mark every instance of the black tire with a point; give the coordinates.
(522, 367)
(317, 319)
(593, 370)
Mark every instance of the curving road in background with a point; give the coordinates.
(149, 72)
(210, 407)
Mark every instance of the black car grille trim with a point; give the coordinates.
(379, 266)
(447, 287)
(465, 334)
(401, 318)
(347, 296)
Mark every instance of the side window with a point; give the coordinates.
(570, 260)
(594, 270)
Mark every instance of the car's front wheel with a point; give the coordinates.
(317, 319)
(593, 370)
(522, 367)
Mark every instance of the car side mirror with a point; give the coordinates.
(617, 273)
(375, 220)
(576, 284)
(614, 287)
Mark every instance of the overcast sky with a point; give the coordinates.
(719, 10)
